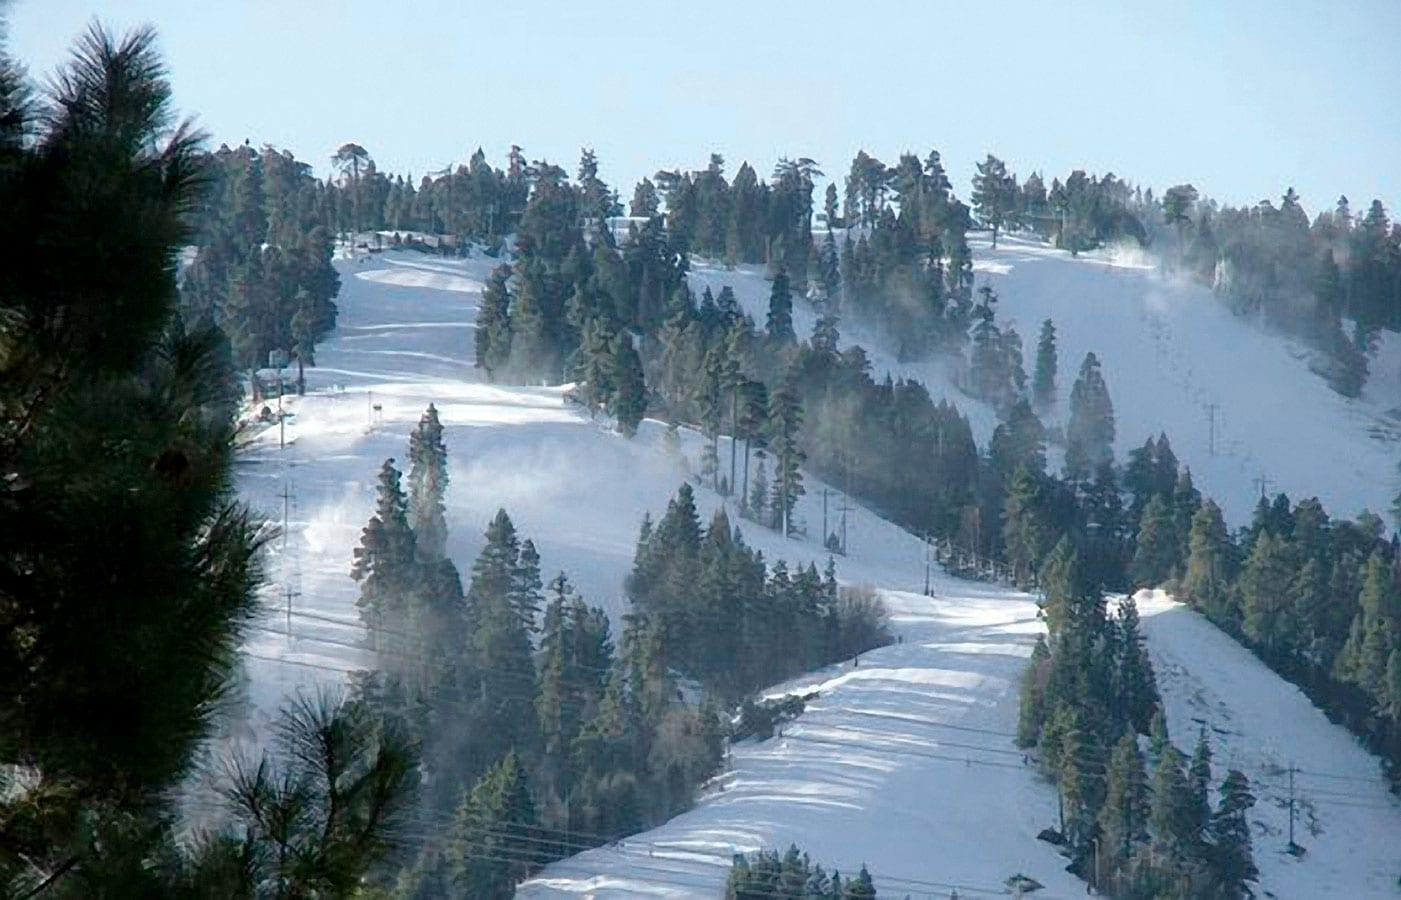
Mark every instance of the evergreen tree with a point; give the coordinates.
(384, 561)
(1364, 658)
(1266, 607)
(759, 493)
(1156, 549)
(1199, 788)
(785, 421)
(1043, 382)
(1171, 817)
(130, 569)
(492, 845)
(1206, 584)
(1082, 778)
(1135, 687)
(780, 321)
(995, 196)
(1024, 530)
(1231, 855)
(428, 481)
(1090, 431)
(493, 326)
(628, 403)
(499, 602)
(645, 202)
(1123, 819)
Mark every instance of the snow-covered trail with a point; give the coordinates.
(1346, 820)
(1237, 402)
(904, 763)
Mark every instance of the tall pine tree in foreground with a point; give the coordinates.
(117, 643)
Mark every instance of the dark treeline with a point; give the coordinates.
(541, 735)
(733, 623)
(792, 876)
(263, 270)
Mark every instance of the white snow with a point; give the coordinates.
(1169, 349)
(1345, 819)
(904, 762)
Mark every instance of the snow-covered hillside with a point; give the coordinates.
(904, 762)
(1170, 352)
(1345, 819)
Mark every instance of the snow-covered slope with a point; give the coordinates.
(904, 762)
(1345, 819)
(1170, 351)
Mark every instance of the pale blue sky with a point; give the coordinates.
(1241, 97)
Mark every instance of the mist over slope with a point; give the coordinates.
(904, 762)
(1170, 351)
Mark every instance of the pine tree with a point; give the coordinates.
(493, 326)
(1043, 382)
(628, 403)
(1199, 787)
(1157, 737)
(1156, 548)
(1123, 819)
(498, 603)
(1231, 855)
(131, 569)
(645, 202)
(1082, 777)
(995, 195)
(493, 843)
(384, 561)
(780, 320)
(1267, 613)
(1364, 658)
(1172, 819)
(526, 586)
(1206, 584)
(785, 421)
(759, 493)
(1024, 531)
(1135, 687)
(428, 481)
(1090, 431)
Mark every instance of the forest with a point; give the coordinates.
(506, 722)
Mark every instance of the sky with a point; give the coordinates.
(1242, 99)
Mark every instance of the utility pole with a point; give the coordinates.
(370, 408)
(928, 548)
(1263, 482)
(846, 496)
(1291, 807)
(734, 436)
(825, 492)
(1211, 409)
(286, 503)
(289, 594)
